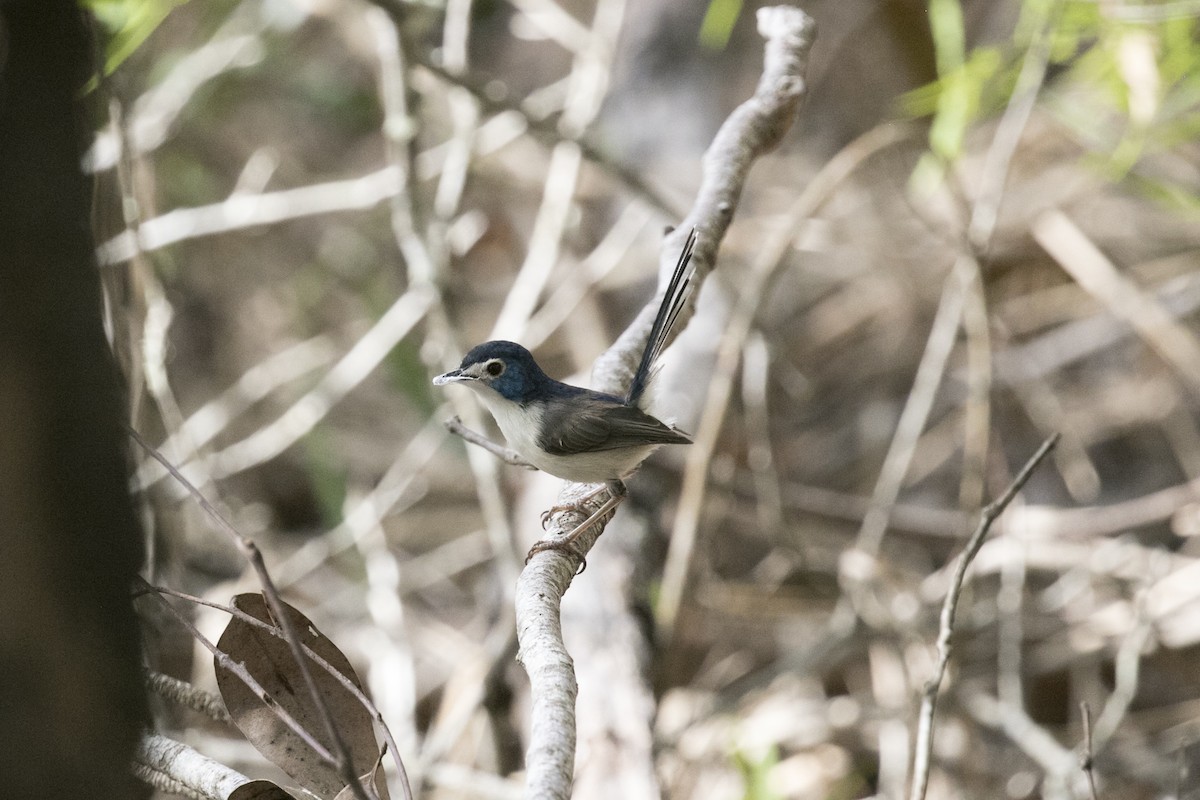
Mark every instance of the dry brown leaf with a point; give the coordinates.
(259, 790)
(376, 775)
(269, 659)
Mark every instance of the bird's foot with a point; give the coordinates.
(616, 493)
(562, 544)
(577, 506)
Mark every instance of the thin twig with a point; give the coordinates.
(239, 212)
(924, 738)
(1071, 458)
(238, 42)
(507, 455)
(1088, 331)
(587, 88)
(821, 502)
(1085, 757)
(903, 445)
(420, 236)
(256, 383)
(185, 694)
(1041, 746)
(392, 494)
(1010, 631)
(1125, 678)
(342, 378)
(756, 358)
(613, 250)
(340, 758)
(916, 410)
(977, 406)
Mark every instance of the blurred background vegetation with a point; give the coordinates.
(307, 207)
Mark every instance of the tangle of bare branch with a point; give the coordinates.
(753, 129)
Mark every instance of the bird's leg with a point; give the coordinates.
(616, 493)
(577, 506)
(455, 425)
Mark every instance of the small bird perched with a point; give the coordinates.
(574, 433)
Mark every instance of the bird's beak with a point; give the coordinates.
(453, 376)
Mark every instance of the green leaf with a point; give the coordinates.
(955, 112)
(1170, 195)
(949, 37)
(956, 97)
(719, 19)
(756, 772)
(128, 23)
(982, 83)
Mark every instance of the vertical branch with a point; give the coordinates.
(1127, 667)
(754, 128)
(676, 573)
(1085, 757)
(924, 739)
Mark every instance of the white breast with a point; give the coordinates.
(519, 425)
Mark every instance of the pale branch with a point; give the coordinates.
(1034, 740)
(754, 128)
(924, 738)
(239, 212)
(547, 129)
(174, 767)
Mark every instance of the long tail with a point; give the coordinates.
(672, 304)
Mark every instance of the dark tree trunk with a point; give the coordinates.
(71, 703)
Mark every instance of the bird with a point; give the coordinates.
(577, 434)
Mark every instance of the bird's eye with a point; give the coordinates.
(494, 368)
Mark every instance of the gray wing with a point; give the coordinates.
(600, 423)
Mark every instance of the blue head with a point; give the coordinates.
(506, 368)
